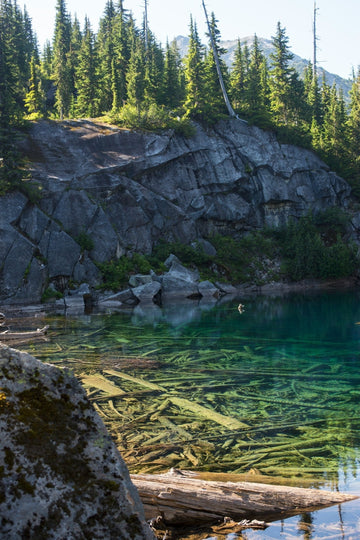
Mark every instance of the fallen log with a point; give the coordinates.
(180, 498)
(8, 335)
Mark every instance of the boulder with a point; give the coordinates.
(61, 474)
(122, 297)
(147, 293)
(179, 281)
(226, 288)
(208, 289)
(139, 279)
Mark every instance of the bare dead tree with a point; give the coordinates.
(315, 41)
(218, 68)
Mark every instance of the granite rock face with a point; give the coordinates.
(125, 190)
(61, 476)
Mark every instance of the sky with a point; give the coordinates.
(337, 23)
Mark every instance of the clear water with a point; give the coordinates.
(270, 392)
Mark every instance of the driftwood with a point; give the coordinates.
(9, 335)
(180, 498)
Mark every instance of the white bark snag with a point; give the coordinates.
(180, 498)
(218, 68)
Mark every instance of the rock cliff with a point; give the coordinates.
(61, 476)
(125, 190)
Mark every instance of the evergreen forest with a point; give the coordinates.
(124, 75)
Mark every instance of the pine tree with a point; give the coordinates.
(34, 99)
(120, 59)
(45, 74)
(255, 93)
(105, 46)
(174, 83)
(281, 77)
(312, 95)
(86, 75)
(11, 94)
(61, 69)
(154, 70)
(354, 119)
(31, 43)
(73, 60)
(135, 77)
(334, 133)
(195, 103)
(214, 96)
(238, 78)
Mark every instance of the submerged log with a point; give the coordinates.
(9, 335)
(180, 498)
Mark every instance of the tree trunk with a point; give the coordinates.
(182, 499)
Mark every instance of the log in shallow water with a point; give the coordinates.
(180, 498)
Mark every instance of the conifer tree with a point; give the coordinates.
(120, 59)
(86, 78)
(34, 99)
(255, 93)
(154, 70)
(11, 96)
(45, 74)
(195, 103)
(281, 77)
(135, 76)
(24, 47)
(61, 70)
(105, 46)
(174, 82)
(354, 120)
(312, 94)
(73, 59)
(238, 78)
(214, 96)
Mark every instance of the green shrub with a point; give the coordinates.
(152, 118)
(115, 274)
(187, 254)
(307, 255)
(332, 219)
(51, 294)
(85, 241)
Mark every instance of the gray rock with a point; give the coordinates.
(33, 223)
(178, 270)
(206, 246)
(33, 284)
(62, 254)
(75, 212)
(147, 293)
(104, 238)
(139, 279)
(180, 281)
(226, 288)
(171, 258)
(122, 297)
(86, 271)
(208, 289)
(62, 476)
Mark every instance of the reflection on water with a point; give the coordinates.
(271, 391)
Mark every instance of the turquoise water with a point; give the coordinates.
(270, 392)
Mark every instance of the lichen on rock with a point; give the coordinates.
(61, 476)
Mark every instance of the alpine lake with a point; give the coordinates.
(270, 394)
